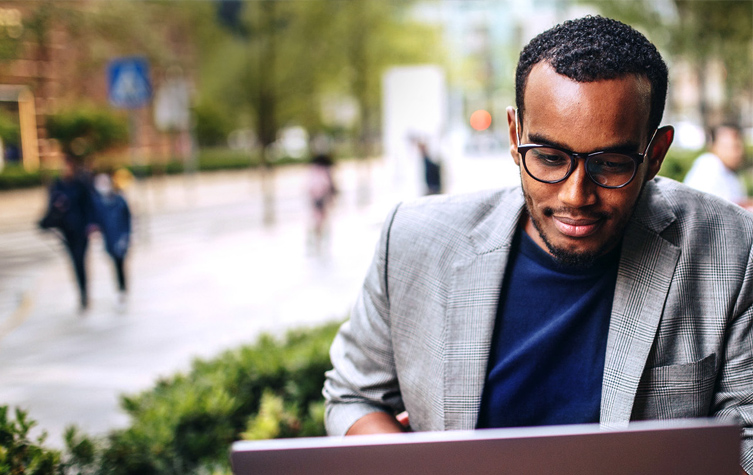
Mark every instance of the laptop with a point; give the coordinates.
(691, 446)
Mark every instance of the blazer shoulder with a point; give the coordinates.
(700, 216)
(476, 222)
(461, 212)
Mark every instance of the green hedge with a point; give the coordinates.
(209, 159)
(18, 453)
(15, 176)
(87, 129)
(186, 423)
(677, 163)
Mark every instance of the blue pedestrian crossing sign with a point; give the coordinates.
(128, 82)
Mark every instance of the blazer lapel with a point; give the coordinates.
(471, 312)
(646, 269)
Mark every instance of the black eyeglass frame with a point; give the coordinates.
(523, 149)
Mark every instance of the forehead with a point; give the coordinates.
(586, 115)
(727, 133)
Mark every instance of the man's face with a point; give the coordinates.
(576, 220)
(728, 146)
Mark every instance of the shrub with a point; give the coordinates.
(15, 176)
(210, 159)
(10, 130)
(186, 423)
(19, 454)
(677, 163)
(222, 158)
(212, 124)
(84, 131)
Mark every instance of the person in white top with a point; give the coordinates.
(715, 172)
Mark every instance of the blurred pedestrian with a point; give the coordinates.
(70, 211)
(716, 171)
(322, 191)
(432, 170)
(114, 219)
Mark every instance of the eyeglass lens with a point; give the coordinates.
(606, 169)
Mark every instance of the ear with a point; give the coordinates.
(512, 134)
(658, 150)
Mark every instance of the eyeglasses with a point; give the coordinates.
(549, 164)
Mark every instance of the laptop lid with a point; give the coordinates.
(692, 446)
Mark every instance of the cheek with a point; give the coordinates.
(622, 201)
(538, 193)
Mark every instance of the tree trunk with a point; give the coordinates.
(266, 108)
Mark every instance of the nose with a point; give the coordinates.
(578, 190)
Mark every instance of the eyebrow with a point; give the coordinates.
(624, 147)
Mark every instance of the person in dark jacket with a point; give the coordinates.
(114, 219)
(432, 170)
(71, 211)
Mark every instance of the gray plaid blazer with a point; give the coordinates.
(680, 338)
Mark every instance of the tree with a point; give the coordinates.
(85, 131)
(260, 64)
(700, 32)
(11, 33)
(297, 52)
(717, 30)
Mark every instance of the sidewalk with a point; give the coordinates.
(177, 206)
(206, 275)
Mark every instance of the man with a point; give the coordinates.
(594, 292)
(71, 210)
(715, 172)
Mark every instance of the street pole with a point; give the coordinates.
(266, 107)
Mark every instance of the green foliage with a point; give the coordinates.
(84, 130)
(290, 56)
(18, 453)
(210, 159)
(266, 423)
(677, 163)
(10, 130)
(11, 39)
(212, 123)
(80, 456)
(213, 159)
(187, 422)
(223, 158)
(15, 176)
(717, 29)
(295, 54)
(698, 32)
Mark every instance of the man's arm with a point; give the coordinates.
(734, 396)
(737, 381)
(363, 383)
(376, 423)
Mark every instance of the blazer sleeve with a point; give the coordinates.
(363, 379)
(734, 387)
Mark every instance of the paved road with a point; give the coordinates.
(205, 276)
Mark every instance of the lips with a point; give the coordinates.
(577, 227)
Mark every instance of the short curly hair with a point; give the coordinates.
(595, 48)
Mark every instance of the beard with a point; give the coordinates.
(571, 258)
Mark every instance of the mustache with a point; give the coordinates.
(576, 213)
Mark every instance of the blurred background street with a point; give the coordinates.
(206, 276)
(217, 119)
